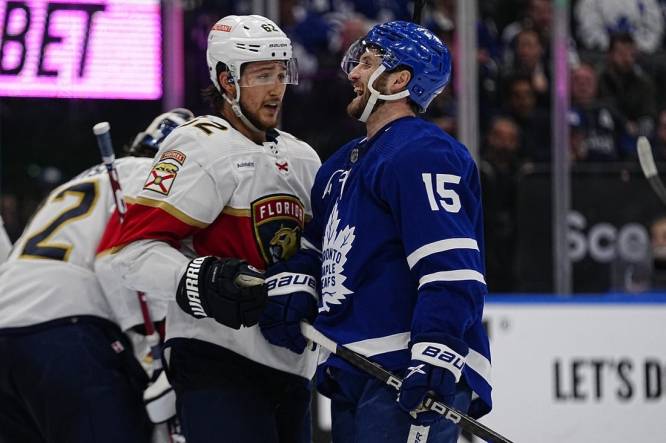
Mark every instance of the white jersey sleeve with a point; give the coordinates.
(50, 272)
(212, 191)
(123, 301)
(184, 192)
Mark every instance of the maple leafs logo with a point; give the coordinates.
(334, 256)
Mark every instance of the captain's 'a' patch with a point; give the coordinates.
(278, 222)
(161, 177)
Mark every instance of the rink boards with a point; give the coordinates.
(587, 369)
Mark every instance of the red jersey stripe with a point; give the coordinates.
(230, 236)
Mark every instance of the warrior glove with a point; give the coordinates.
(291, 298)
(435, 368)
(227, 289)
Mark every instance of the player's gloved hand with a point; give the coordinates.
(291, 298)
(435, 368)
(227, 289)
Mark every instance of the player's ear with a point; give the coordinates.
(400, 80)
(227, 85)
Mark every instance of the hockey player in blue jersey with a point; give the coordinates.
(396, 245)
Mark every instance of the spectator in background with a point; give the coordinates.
(529, 61)
(533, 121)
(539, 17)
(598, 20)
(441, 21)
(627, 88)
(595, 126)
(498, 171)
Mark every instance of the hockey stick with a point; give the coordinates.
(418, 9)
(103, 133)
(646, 159)
(430, 403)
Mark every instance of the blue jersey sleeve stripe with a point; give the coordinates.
(479, 364)
(381, 345)
(456, 275)
(441, 246)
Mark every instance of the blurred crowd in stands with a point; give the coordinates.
(617, 66)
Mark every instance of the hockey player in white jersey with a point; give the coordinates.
(228, 196)
(5, 243)
(397, 237)
(67, 372)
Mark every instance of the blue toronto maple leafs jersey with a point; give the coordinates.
(398, 228)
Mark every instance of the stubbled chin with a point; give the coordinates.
(269, 118)
(355, 107)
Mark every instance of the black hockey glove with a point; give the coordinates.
(227, 289)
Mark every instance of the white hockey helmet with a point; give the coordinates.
(238, 39)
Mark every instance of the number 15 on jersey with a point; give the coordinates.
(449, 200)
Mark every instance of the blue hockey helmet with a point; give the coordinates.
(406, 44)
(147, 143)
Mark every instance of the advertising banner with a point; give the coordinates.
(612, 207)
(578, 371)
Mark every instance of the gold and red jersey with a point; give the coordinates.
(212, 191)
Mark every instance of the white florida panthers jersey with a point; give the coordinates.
(50, 272)
(212, 191)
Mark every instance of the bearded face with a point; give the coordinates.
(357, 105)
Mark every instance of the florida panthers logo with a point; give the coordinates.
(278, 222)
(284, 243)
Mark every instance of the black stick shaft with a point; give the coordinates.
(464, 421)
(418, 10)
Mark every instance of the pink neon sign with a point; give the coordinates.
(81, 49)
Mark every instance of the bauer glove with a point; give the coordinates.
(292, 297)
(435, 368)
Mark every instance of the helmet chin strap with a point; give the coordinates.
(235, 106)
(376, 95)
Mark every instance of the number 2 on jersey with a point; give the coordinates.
(450, 200)
(38, 245)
